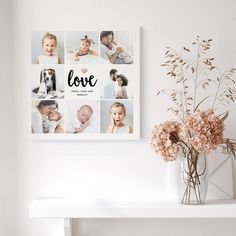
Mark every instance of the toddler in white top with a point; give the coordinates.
(84, 49)
(117, 115)
(49, 44)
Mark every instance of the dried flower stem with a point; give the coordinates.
(191, 177)
(185, 110)
(217, 91)
(196, 77)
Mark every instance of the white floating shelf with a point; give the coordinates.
(65, 208)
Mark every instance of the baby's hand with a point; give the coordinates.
(76, 55)
(119, 49)
(87, 123)
(95, 53)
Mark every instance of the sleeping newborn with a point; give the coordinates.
(82, 123)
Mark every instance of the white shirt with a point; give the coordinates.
(36, 121)
(122, 130)
(119, 91)
(76, 124)
(48, 59)
(105, 52)
(109, 89)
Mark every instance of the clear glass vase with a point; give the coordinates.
(191, 176)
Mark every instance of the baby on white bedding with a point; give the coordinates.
(112, 46)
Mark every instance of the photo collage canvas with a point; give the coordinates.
(85, 84)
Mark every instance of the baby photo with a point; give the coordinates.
(116, 47)
(117, 116)
(47, 116)
(117, 83)
(82, 47)
(47, 47)
(82, 117)
(47, 82)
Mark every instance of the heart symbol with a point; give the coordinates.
(84, 70)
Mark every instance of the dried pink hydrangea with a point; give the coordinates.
(165, 137)
(206, 130)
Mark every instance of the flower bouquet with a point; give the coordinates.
(197, 131)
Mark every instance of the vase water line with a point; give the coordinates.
(191, 178)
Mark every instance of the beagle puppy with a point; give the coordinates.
(47, 82)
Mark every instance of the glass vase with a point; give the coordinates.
(191, 176)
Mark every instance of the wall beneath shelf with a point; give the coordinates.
(153, 227)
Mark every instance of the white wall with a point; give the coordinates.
(8, 188)
(107, 170)
(154, 227)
